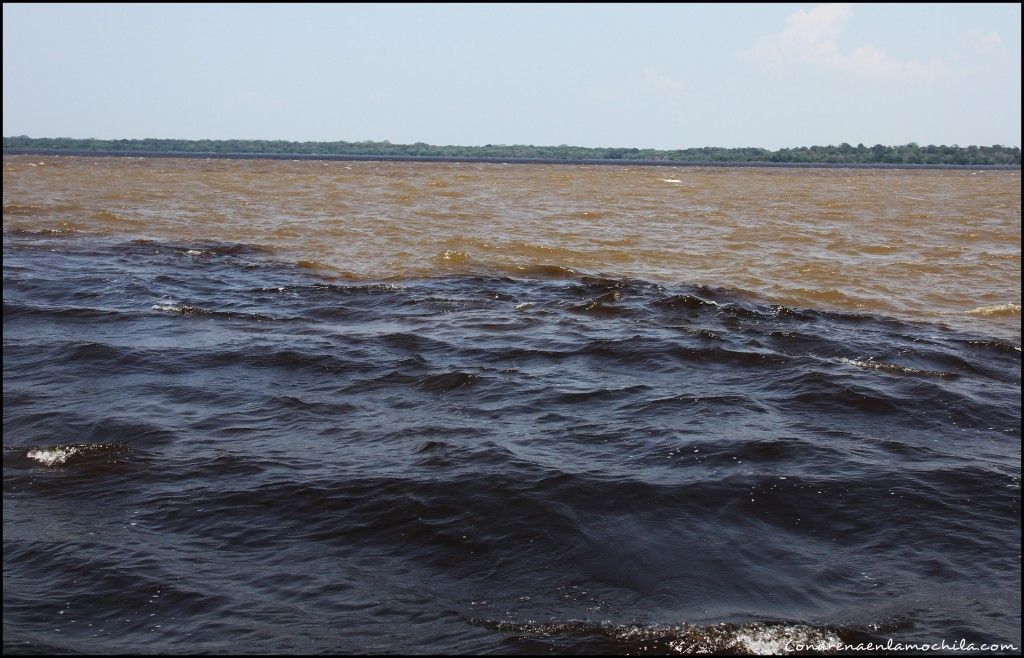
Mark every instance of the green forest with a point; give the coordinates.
(842, 154)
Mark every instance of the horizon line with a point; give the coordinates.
(493, 145)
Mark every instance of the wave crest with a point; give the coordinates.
(996, 310)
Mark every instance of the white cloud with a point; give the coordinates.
(661, 83)
(811, 38)
(987, 42)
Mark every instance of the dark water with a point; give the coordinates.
(209, 451)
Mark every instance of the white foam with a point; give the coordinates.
(762, 640)
(892, 367)
(51, 456)
(999, 309)
(671, 180)
(756, 639)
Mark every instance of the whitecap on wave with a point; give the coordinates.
(57, 455)
(756, 638)
(893, 368)
(999, 309)
(52, 456)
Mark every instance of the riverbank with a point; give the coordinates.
(412, 158)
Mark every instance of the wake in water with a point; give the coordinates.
(205, 450)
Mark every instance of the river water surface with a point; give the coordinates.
(342, 407)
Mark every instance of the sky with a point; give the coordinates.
(648, 76)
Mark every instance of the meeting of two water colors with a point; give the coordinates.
(380, 407)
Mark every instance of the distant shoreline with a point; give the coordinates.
(485, 160)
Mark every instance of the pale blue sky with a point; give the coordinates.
(662, 76)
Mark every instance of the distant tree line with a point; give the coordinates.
(844, 153)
